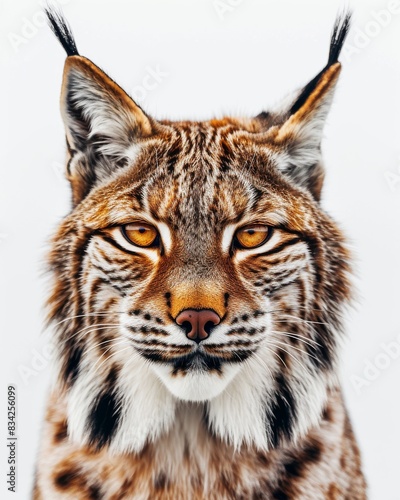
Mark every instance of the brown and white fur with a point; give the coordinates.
(138, 410)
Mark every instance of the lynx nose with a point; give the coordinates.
(197, 323)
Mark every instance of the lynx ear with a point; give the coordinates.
(102, 122)
(296, 130)
(97, 112)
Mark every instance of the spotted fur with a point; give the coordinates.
(137, 409)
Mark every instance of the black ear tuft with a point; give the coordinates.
(62, 30)
(339, 34)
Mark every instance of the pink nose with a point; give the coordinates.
(198, 323)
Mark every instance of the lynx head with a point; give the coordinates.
(196, 267)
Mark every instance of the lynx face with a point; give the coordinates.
(195, 266)
(197, 231)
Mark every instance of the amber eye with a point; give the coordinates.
(253, 236)
(141, 235)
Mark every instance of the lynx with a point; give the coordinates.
(197, 303)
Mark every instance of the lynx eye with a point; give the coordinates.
(141, 235)
(253, 236)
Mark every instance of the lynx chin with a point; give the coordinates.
(198, 289)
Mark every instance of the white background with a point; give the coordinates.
(238, 62)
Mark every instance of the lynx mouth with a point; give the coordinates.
(196, 376)
(198, 360)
